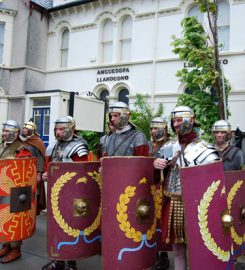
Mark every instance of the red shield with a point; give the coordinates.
(17, 199)
(235, 188)
(205, 201)
(129, 213)
(74, 210)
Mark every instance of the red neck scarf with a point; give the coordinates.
(188, 138)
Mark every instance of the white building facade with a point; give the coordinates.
(120, 48)
(114, 49)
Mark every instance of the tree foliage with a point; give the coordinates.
(143, 113)
(202, 76)
(92, 139)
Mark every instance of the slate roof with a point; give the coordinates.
(44, 3)
(48, 4)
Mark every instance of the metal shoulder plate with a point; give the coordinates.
(78, 147)
(50, 150)
(200, 153)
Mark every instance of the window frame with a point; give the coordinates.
(104, 42)
(3, 24)
(64, 50)
(127, 39)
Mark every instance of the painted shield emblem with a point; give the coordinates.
(17, 199)
(74, 210)
(130, 209)
(235, 187)
(206, 217)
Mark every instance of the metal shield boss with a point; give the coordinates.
(130, 209)
(207, 218)
(18, 180)
(74, 210)
(235, 188)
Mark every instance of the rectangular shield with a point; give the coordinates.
(18, 186)
(205, 203)
(74, 210)
(129, 213)
(235, 188)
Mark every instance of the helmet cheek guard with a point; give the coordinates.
(160, 134)
(185, 127)
(124, 118)
(11, 136)
(68, 133)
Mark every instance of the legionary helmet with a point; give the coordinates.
(68, 123)
(162, 130)
(187, 115)
(13, 129)
(223, 125)
(123, 109)
(31, 127)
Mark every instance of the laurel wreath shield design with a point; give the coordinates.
(76, 233)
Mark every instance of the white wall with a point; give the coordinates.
(153, 66)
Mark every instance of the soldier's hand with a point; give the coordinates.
(160, 163)
(45, 176)
(39, 177)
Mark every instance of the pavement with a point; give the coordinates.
(34, 253)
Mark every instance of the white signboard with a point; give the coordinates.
(89, 114)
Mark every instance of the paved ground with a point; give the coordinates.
(34, 254)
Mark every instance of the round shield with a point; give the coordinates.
(74, 210)
(129, 213)
(17, 198)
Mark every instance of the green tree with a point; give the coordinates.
(203, 78)
(143, 113)
(210, 7)
(92, 139)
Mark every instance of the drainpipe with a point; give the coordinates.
(155, 36)
(223, 88)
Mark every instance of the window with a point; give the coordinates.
(126, 39)
(107, 42)
(103, 96)
(64, 48)
(194, 11)
(123, 96)
(223, 24)
(46, 122)
(41, 102)
(2, 25)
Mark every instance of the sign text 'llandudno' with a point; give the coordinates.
(112, 74)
